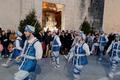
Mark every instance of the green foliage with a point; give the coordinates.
(85, 27)
(30, 19)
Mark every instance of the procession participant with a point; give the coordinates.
(80, 56)
(95, 45)
(102, 43)
(56, 44)
(32, 52)
(115, 55)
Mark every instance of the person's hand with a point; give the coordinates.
(18, 58)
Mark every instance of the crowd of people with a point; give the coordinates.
(71, 44)
(67, 37)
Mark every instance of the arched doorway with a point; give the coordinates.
(51, 16)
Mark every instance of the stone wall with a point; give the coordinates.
(111, 19)
(12, 11)
(96, 10)
(26, 7)
(9, 14)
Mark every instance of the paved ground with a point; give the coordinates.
(46, 71)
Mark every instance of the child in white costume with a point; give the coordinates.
(32, 52)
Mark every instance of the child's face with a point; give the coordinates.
(10, 47)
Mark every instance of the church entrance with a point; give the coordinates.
(51, 16)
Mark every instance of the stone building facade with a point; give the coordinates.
(12, 11)
(101, 14)
(111, 21)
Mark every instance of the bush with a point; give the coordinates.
(30, 20)
(85, 27)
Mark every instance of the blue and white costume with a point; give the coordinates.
(80, 53)
(32, 52)
(102, 43)
(80, 58)
(115, 56)
(56, 44)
